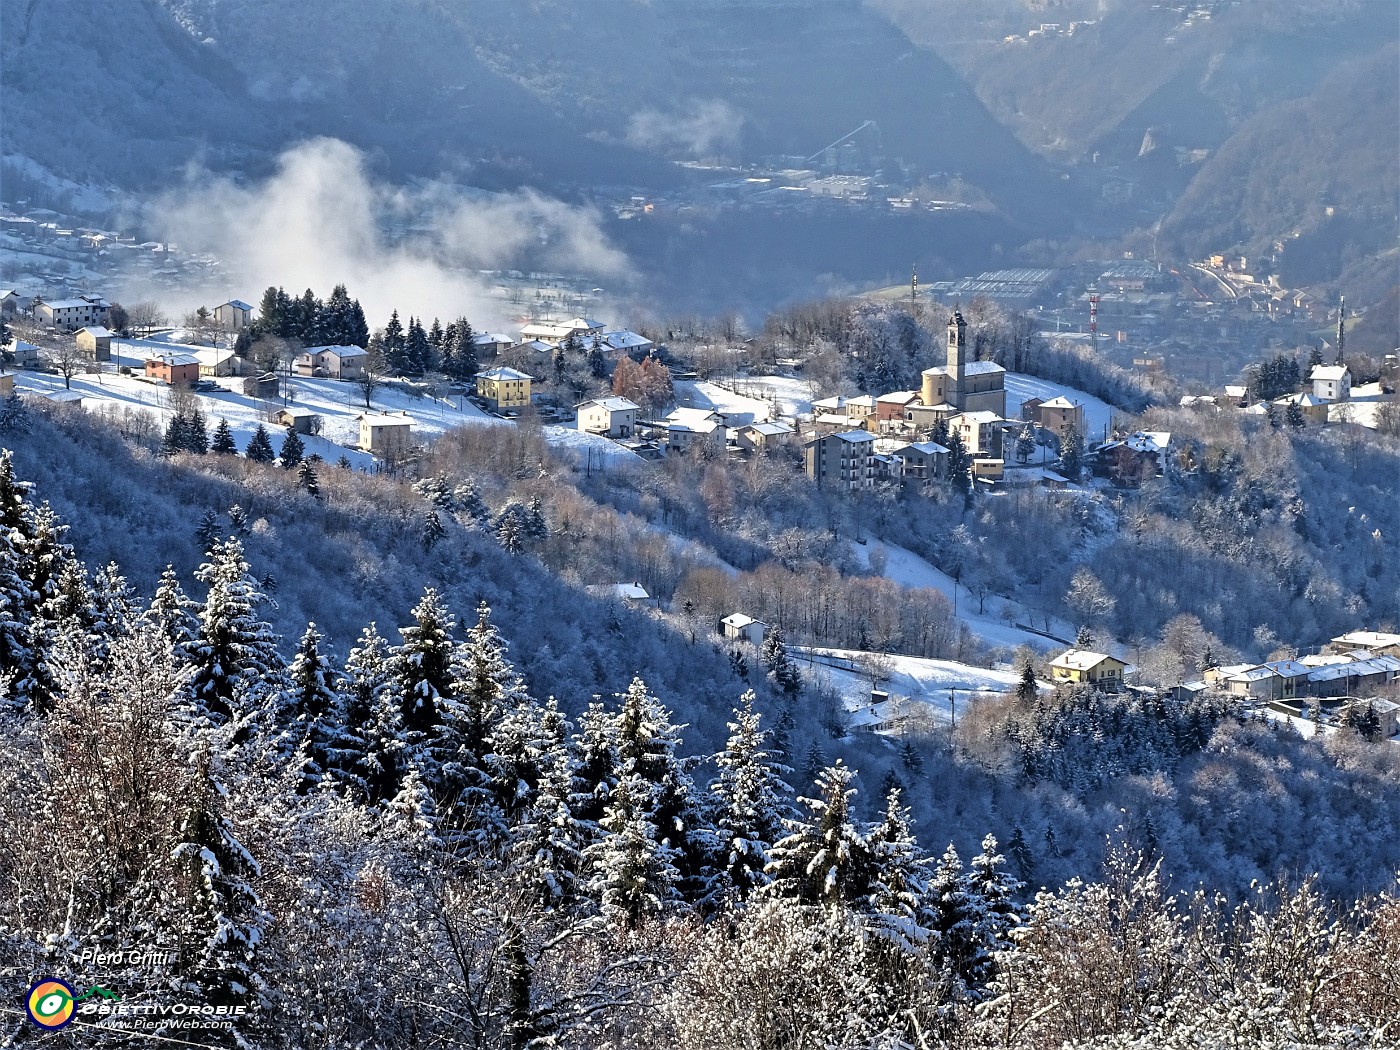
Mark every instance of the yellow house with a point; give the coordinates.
(1081, 667)
(504, 387)
(388, 437)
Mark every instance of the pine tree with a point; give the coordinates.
(176, 436)
(234, 651)
(173, 615)
(751, 802)
(208, 529)
(898, 875)
(470, 503)
(463, 356)
(307, 479)
(424, 668)
(990, 914)
(218, 946)
(238, 520)
(959, 464)
(824, 859)
(260, 446)
(375, 757)
(394, 343)
(633, 871)
(1025, 444)
(1296, 419)
(270, 320)
(223, 442)
(197, 434)
(597, 363)
(547, 844)
(433, 530)
(312, 709)
(783, 672)
(292, 450)
(1027, 688)
(418, 352)
(1072, 454)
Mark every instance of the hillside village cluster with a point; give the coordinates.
(849, 444)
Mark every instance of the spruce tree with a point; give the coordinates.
(898, 875)
(394, 344)
(634, 875)
(223, 442)
(312, 709)
(260, 446)
(547, 843)
(374, 758)
(751, 802)
(233, 651)
(176, 436)
(292, 450)
(424, 668)
(824, 858)
(307, 479)
(174, 615)
(197, 434)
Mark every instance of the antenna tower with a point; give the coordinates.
(1094, 321)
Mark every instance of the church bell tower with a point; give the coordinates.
(957, 359)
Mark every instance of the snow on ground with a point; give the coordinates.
(337, 403)
(906, 568)
(942, 684)
(787, 396)
(1098, 415)
(737, 408)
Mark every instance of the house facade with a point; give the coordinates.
(386, 436)
(505, 388)
(743, 628)
(174, 369)
(842, 461)
(1331, 382)
(95, 342)
(332, 362)
(1082, 667)
(614, 417)
(759, 437)
(72, 314)
(233, 315)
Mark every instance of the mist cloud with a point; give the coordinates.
(701, 130)
(321, 220)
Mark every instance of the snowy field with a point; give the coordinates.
(944, 685)
(1098, 415)
(338, 403)
(787, 396)
(907, 569)
(740, 410)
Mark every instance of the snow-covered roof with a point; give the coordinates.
(928, 448)
(982, 368)
(584, 324)
(625, 340)
(1236, 391)
(1367, 639)
(978, 418)
(1303, 400)
(173, 359)
(628, 592)
(1058, 402)
(490, 339)
(1142, 441)
(69, 304)
(693, 426)
(863, 401)
(502, 374)
(855, 437)
(770, 428)
(1329, 373)
(1287, 668)
(95, 330)
(611, 404)
(1256, 673)
(834, 404)
(238, 304)
(538, 345)
(296, 413)
(739, 620)
(692, 416)
(1080, 659)
(378, 419)
(341, 352)
(898, 397)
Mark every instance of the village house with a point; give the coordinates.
(10, 302)
(633, 595)
(302, 420)
(856, 408)
(922, 461)
(505, 389)
(233, 316)
(885, 714)
(1030, 409)
(553, 333)
(216, 361)
(758, 437)
(267, 386)
(1314, 409)
(1061, 417)
(743, 628)
(614, 417)
(386, 436)
(72, 314)
(174, 369)
(489, 344)
(1331, 382)
(981, 433)
(686, 431)
(21, 353)
(332, 362)
(95, 342)
(841, 461)
(890, 409)
(626, 342)
(1384, 643)
(1238, 396)
(1082, 667)
(1132, 460)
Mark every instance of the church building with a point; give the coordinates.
(963, 385)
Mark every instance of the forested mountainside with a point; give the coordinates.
(338, 840)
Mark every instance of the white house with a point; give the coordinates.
(491, 343)
(555, 332)
(72, 314)
(758, 436)
(628, 342)
(335, 362)
(1331, 382)
(614, 417)
(744, 628)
